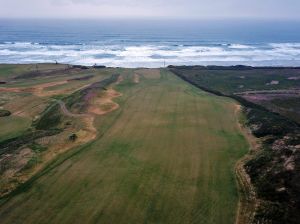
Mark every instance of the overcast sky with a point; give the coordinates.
(180, 9)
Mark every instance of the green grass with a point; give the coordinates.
(37, 147)
(12, 126)
(167, 155)
(5, 70)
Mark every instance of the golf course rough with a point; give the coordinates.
(166, 155)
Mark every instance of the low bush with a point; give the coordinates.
(4, 113)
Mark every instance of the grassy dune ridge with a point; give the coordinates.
(167, 155)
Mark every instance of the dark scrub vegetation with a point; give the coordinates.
(4, 113)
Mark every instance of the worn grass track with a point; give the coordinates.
(167, 155)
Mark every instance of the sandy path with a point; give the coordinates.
(254, 145)
(247, 199)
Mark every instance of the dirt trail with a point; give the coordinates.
(295, 91)
(247, 199)
(254, 145)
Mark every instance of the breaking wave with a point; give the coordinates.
(152, 55)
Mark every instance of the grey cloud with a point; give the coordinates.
(279, 9)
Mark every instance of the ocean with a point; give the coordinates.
(150, 43)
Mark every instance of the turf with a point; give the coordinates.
(167, 155)
(11, 126)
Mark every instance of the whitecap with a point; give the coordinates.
(240, 46)
(151, 55)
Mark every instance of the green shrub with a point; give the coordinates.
(4, 113)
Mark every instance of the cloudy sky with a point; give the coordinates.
(189, 9)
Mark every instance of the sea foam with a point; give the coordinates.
(151, 55)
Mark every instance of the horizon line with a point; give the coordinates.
(242, 19)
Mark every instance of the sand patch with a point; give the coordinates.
(120, 79)
(37, 90)
(89, 129)
(104, 104)
(40, 90)
(136, 78)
